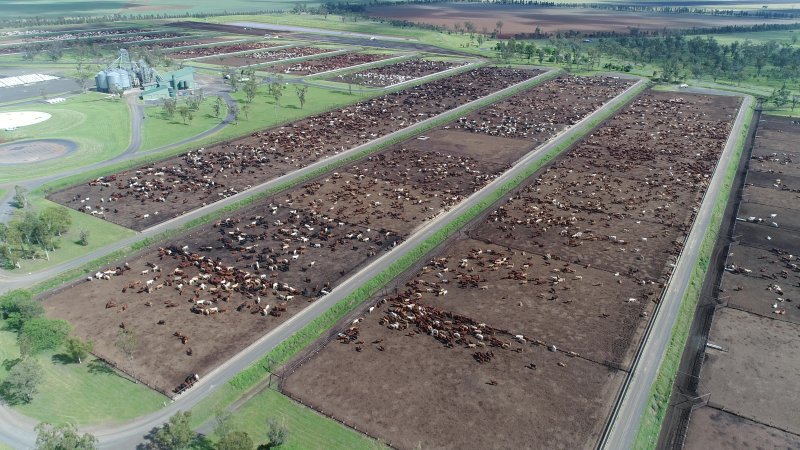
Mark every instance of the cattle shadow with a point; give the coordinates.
(98, 367)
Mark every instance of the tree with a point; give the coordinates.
(82, 76)
(250, 88)
(21, 197)
(471, 28)
(236, 440)
(83, 238)
(56, 219)
(222, 423)
(276, 89)
(17, 307)
(56, 50)
(169, 106)
(186, 113)
(126, 343)
(246, 111)
(40, 333)
(78, 349)
(499, 27)
(63, 437)
(217, 106)
(175, 434)
(22, 382)
(276, 432)
(301, 94)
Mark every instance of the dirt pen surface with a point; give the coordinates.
(220, 49)
(283, 252)
(728, 431)
(327, 64)
(394, 73)
(27, 152)
(758, 368)
(261, 57)
(529, 318)
(142, 197)
(519, 19)
(753, 376)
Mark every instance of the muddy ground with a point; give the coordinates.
(757, 369)
(727, 431)
(490, 300)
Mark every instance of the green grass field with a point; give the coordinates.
(101, 233)
(308, 430)
(88, 393)
(158, 130)
(99, 126)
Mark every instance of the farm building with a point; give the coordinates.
(170, 84)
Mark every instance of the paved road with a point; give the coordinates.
(628, 412)
(17, 430)
(342, 38)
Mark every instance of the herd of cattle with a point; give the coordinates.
(320, 65)
(145, 196)
(396, 73)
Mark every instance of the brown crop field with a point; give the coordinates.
(749, 381)
(525, 19)
(223, 286)
(142, 197)
(529, 317)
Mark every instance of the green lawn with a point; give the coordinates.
(99, 126)
(88, 393)
(101, 233)
(308, 430)
(160, 130)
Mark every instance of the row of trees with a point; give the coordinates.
(32, 232)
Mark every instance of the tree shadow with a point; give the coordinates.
(292, 107)
(63, 359)
(7, 397)
(98, 367)
(202, 442)
(9, 364)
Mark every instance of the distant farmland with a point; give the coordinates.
(48, 8)
(524, 19)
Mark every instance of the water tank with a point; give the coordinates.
(113, 80)
(101, 82)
